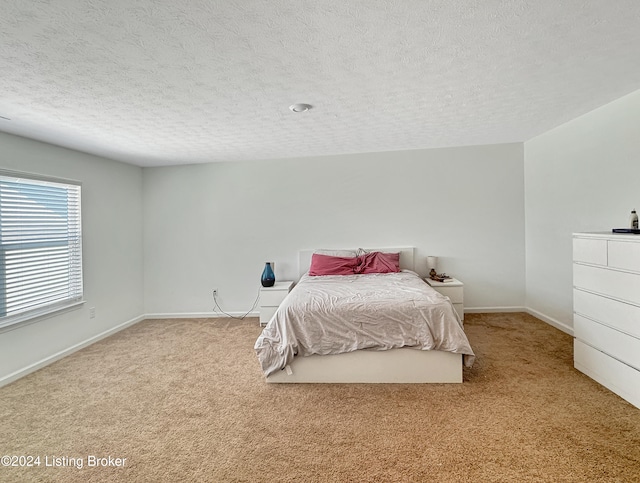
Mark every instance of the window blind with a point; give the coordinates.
(40, 247)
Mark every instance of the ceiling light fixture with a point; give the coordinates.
(300, 107)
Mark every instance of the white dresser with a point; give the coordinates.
(606, 310)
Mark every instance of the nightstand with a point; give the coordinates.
(454, 290)
(271, 298)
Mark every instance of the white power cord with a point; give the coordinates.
(217, 307)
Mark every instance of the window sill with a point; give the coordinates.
(32, 318)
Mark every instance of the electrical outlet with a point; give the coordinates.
(92, 312)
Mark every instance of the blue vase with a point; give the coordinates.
(268, 278)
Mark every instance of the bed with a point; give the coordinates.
(364, 328)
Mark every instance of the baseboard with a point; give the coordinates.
(492, 310)
(551, 321)
(201, 315)
(63, 353)
(538, 315)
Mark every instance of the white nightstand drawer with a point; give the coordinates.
(460, 310)
(266, 313)
(454, 293)
(454, 290)
(271, 298)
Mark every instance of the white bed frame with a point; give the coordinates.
(368, 366)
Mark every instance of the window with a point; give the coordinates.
(40, 246)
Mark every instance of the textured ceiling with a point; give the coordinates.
(159, 82)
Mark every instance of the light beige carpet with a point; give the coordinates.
(184, 400)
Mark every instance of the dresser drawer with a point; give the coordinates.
(613, 374)
(610, 341)
(624, 255)
(620, 285)
(588, 250)
(619, 315)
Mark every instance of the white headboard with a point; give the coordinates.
(406, 257)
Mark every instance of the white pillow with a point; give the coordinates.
(336, 253)
(406, 270)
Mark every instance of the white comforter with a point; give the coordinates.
(342, 313)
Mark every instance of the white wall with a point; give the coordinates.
(581, 176)
(112, 251)
(214, 225)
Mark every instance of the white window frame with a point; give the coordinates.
(34, 285)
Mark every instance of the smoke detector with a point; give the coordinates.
(300, 107)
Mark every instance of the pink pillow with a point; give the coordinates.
(378, 262)
(328, 265)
